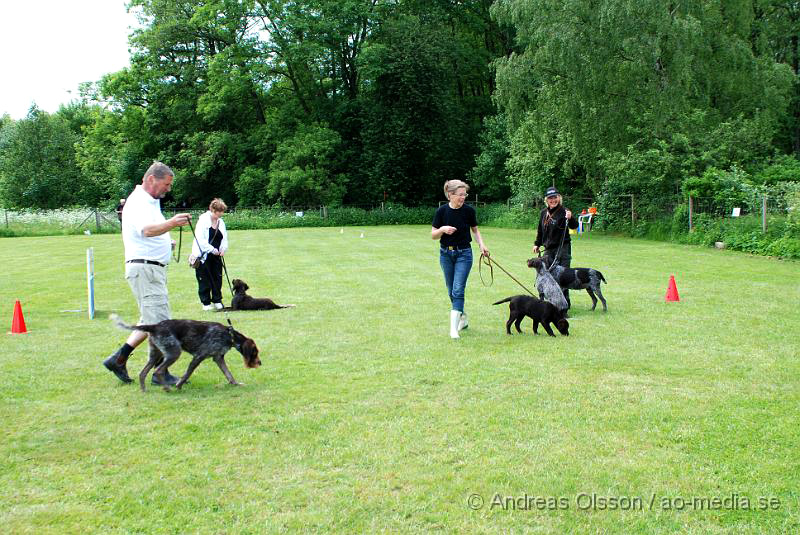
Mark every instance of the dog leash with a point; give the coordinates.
(177, 257)
(225, 269)
(560, 245)
(489, 261)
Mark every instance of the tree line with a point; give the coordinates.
(310, 102)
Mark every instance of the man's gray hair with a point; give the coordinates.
(158, 170)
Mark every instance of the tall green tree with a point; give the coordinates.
(595, 78)
(37, 163)
(220, 89)
(776, 32)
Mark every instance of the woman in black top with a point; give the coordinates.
(451, 225)
(552, 234)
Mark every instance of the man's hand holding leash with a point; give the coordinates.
(179, 220)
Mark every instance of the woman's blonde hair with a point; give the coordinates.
(218, 205)
(452, 185)
(559, 199)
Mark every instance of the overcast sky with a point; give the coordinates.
(48, 47)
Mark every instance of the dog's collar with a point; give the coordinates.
(233, 338)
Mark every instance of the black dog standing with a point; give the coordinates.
(538, 310)
(552, 234)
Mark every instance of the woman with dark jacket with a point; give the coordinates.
(553, 234)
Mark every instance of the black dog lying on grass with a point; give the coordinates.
(581, 279)
(540, 311)
(203, 339)
(242, 301)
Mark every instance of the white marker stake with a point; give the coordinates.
(90, 279)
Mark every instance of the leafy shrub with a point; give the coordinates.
(497, 215)
(649, 175)
(251, 186)
(784, 168)
(304, 167)
(727, 188)
(503, 216)
(744, 234)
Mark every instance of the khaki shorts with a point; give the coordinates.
(149, 285)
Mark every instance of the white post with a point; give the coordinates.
(90, 279)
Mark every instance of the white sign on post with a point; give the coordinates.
(736, 212)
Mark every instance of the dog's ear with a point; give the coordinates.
(563, 326)
(250, 353)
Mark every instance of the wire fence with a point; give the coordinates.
(630, 209)
(765, 207)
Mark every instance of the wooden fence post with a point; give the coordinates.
(633, 213)
(691, 207)
(97, 219)
(764, 213)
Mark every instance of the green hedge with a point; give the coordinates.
(745, 234)
(742, 233)
(496, 215)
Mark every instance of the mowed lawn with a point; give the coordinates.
(365, 417)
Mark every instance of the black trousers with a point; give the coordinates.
(209, 280)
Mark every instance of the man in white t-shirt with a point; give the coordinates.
(148, 249)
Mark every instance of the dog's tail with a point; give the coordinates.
(600, 276)
(506, 300)
(122, 325)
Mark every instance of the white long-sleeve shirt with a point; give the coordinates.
(201, 231)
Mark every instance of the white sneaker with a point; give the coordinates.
(208, 307)
(218, 306)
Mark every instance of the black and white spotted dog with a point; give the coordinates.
(581, 279)
(548, 287)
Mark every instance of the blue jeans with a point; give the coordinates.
(456, 265)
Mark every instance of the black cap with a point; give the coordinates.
(551, 192)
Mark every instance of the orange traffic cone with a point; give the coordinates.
(672, 290)
(18, 323)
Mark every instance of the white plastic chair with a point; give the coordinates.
(584, 219)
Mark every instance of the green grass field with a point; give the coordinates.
(365, 417)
